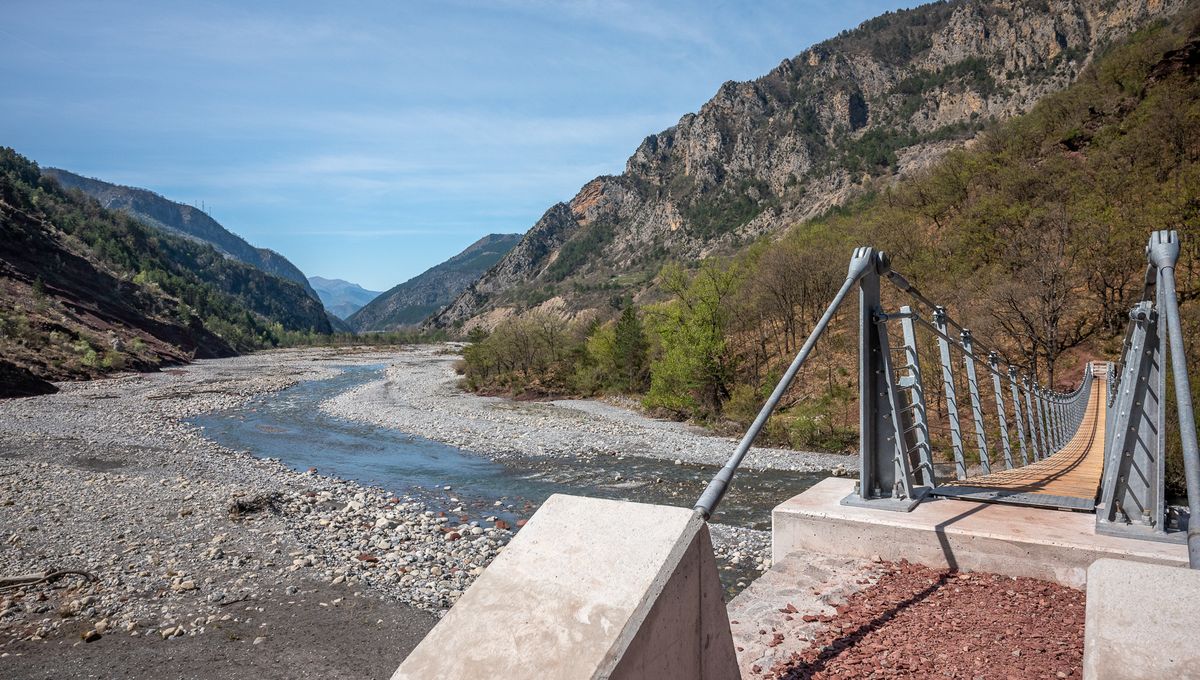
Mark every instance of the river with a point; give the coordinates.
(290, 426)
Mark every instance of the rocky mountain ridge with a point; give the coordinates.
(411, 302)
(183, 220)
(341, 298)
(843, 117)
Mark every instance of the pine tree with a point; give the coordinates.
(631, 348)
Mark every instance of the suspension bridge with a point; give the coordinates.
(1006, 436)
(967, 460)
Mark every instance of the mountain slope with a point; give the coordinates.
(85, 290)
(1033, 237)
(341, 298)
(180, 219)
(839, 120)
(411, 302)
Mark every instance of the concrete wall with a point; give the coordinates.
(1143, 622)
(1053, 545)
(589, 588)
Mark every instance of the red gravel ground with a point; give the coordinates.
(918, 622)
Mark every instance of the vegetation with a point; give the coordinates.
(374, 339)
(713, 216)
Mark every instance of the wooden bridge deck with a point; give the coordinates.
(1068, 479)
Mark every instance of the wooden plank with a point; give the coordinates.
(1069, 478)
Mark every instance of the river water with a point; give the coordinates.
(290, 426)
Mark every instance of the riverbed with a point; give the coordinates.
(245, 503)
(290, 426)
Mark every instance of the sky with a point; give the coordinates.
(370, 141)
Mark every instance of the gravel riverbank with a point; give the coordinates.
(175, 536)
(420, 396)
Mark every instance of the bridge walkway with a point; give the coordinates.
(1069, 479)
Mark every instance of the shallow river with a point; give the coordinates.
(290, 426)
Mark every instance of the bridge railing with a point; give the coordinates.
(1132, 497)
(1029, 421)
(991, 413)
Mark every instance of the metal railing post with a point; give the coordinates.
(956, 444)
(1040, 398)
(1027, 387)
(916, 391)
(976, 406)
(1016, 399)
(1006, 445)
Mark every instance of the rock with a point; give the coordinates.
(90, 635)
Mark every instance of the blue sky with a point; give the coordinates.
(370, 141)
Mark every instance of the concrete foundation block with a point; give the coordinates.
(1142, 622)
(589, 588)
(1052, 545)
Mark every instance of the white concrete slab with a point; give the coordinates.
(1053, 545)
(1141, 622)
(589, 588)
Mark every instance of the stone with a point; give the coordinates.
(1141, 621)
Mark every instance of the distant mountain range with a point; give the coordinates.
(411, 302)
(181, 219)
(341, 298)
(843, 119)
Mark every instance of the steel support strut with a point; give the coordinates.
(864, 260)
(1163, 253)
(885, 478)
(1131, 499)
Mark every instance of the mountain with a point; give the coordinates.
(85, 290)
(1033, 236)
(181, 219)
(341, 298)
(411, 302)
(842, 119)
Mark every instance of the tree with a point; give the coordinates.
(694, 370)
(630, 348)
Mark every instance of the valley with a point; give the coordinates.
(215, 464)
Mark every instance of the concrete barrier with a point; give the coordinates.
(1052, 545)
(1142, 622)
(589, 588)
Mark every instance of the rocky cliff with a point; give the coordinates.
(839, 119)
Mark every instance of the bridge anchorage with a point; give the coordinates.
(1098, 448)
